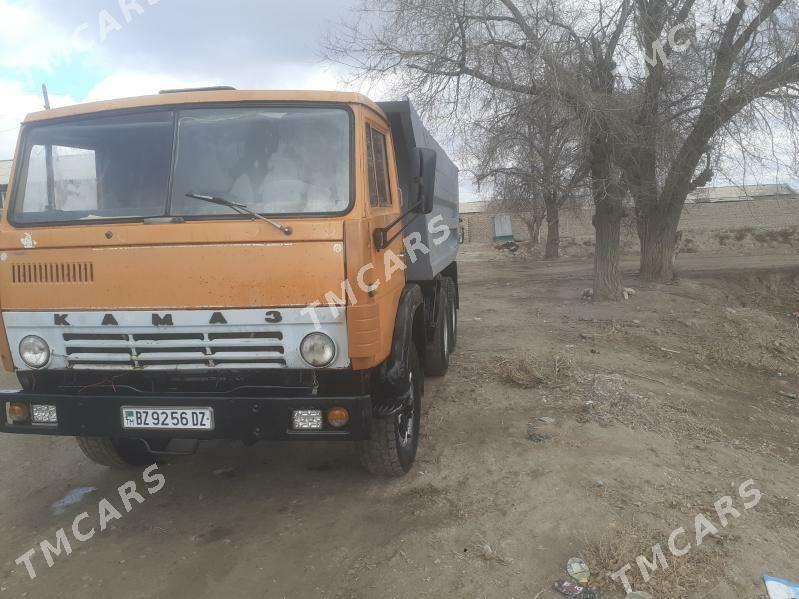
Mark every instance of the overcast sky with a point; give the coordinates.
(99, 49)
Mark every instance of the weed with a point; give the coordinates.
(529, 370)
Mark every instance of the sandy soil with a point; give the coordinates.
(660, 406)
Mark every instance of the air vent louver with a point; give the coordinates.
(52, 273)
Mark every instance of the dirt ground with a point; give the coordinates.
(653, 410)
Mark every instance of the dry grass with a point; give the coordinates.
(493, 553)
(701, 569)
(610, 399)
(530, 370)
(752, 340)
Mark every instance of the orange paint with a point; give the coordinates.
(222, 263)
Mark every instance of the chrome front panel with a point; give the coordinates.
(177, 339)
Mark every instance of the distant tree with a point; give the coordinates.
(461, 55)
(711, 69)
(657, 84)
(532, 155)
(513, 194)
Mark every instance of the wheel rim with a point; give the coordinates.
(405, 419)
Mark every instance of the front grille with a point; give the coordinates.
(51, 272)
(172, 351)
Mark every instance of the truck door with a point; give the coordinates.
(377, 276)
(383, 207)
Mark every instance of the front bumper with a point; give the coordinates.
(235, 417)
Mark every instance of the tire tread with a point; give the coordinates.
(452, 292)
(436, 361)
(102, 450)
(380, 454)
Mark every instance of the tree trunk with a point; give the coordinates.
(553, 239)
(657, 230)
(608, 195)
(534, 229)
(608, 283)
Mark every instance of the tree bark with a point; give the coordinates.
(608, 283)
(534, 229)
(552, 209)
(657, 231)
(552, 250)
(608, 195)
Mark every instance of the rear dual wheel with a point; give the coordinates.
(452, 293)
(444, 336)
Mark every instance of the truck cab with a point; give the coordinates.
(230, 264)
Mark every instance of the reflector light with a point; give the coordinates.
(307, 420)
(43, 414)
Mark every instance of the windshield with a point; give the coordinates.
(274, 160)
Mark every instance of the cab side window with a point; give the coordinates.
(377, 159)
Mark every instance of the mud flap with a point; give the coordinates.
(393, 388)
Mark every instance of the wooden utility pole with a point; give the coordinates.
(48, 157)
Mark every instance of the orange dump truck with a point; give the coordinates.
(215, 263)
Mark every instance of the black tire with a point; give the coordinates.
(436, 361)
(119, 454)
(391, 450)
(453, 314)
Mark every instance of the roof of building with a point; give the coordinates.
(736, 193)
(729, 193)
(200, 96)
(5, 171)
(474, 207)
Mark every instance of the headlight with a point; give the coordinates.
(318, 350)
(34, 351)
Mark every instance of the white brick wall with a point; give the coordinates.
(762, 213)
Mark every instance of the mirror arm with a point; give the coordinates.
(381, 238)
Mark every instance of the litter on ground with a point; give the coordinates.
(781, 589)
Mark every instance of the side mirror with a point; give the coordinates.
(425, 179)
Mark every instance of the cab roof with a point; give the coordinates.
(178, 98)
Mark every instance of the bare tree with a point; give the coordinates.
(513, 194)
(656, 83)
(459, 55)
(712, 68)
(533, 156)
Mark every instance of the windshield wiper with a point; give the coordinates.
(240, 208)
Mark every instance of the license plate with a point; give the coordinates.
(168, 418)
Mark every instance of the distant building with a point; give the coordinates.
(75, 180)
(735, 193)
(479, 222)
(5, 173)
(730, 207)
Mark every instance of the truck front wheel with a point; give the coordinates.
(119, 454)
(391, 450)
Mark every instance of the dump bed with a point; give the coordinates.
(409, 133)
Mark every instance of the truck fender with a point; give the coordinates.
(394, 388)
